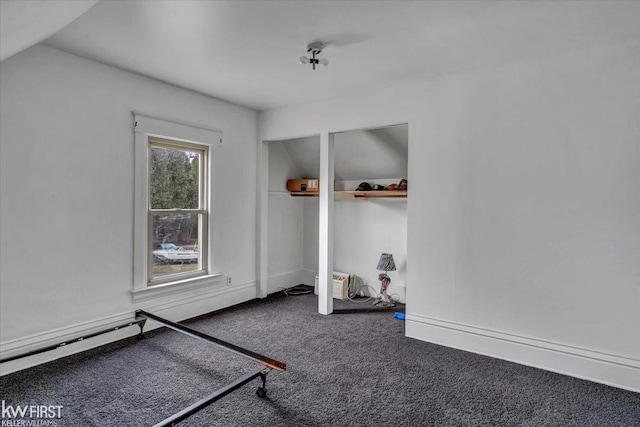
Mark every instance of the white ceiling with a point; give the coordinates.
(247, 52)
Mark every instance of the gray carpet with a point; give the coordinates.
(353, 369)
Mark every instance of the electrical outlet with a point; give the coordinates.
(228, 280)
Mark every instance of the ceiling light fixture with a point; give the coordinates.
(314, 48)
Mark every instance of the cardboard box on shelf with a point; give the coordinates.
(310, 185)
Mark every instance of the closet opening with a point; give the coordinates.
(315, 234)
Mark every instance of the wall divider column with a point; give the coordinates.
(325, 259)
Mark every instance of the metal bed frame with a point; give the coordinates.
(141, 318)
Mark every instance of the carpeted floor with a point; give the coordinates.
(353, 369)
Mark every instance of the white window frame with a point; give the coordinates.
(202, 210)
(146, 126)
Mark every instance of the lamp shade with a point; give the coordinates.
(386, 263)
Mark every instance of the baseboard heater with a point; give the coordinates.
(138, 321)
(141, 317)
(340, 285)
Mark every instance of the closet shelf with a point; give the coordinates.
(382, 194)
(352, 195)
(305, 193)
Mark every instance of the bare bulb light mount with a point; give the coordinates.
(314, 49)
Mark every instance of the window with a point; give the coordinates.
(177, 211)
(172, 234)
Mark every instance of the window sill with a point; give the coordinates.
(178, 286)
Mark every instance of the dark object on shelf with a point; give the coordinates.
(345, 195)
(364, 186)
(402, 185)
(379, 187)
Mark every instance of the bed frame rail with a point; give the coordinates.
(267, 361)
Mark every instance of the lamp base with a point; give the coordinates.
(384, 300)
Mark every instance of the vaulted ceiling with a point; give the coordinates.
(247, 52)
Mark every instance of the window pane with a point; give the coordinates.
(175, 244)
(174, 178)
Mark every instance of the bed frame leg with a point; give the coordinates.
(141, 321)
(262, 390)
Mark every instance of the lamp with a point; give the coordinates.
(385, 264)
(314, 48)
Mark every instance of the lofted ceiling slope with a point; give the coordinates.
(25, 23)
(380, 153)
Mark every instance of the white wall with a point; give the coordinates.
(364, 229)
(523, 207)
(67, 197)
(286, 223)
(311, 211)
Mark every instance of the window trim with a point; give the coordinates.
(146, 126)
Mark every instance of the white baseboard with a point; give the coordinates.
(614, 370)
(176, 310)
